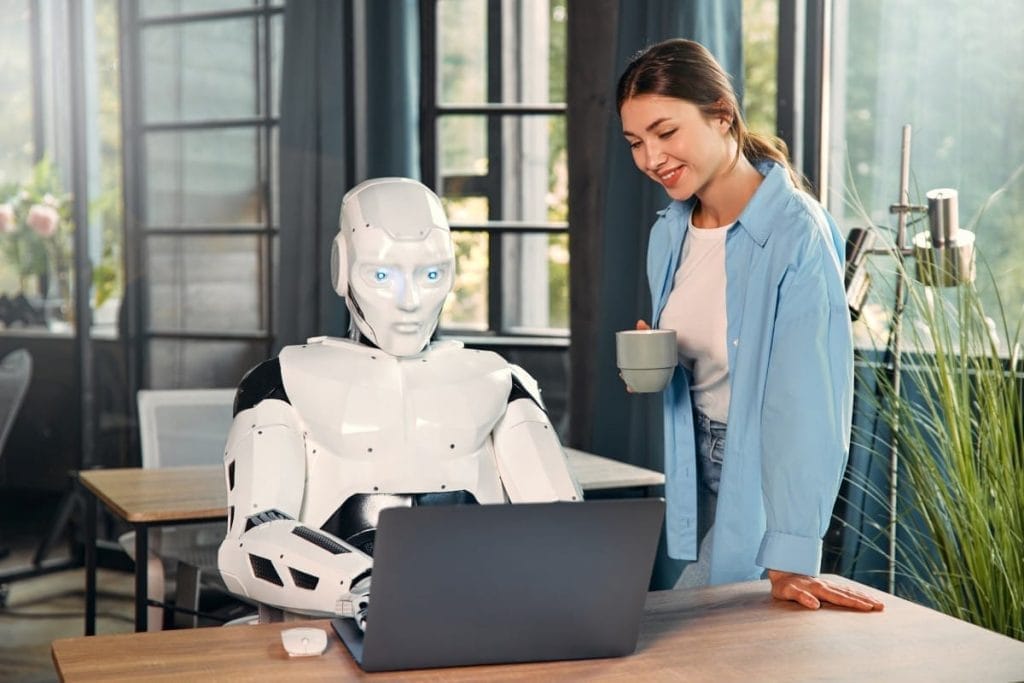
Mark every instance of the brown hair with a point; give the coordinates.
(686, 70)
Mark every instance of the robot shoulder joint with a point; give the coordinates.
(262, 382)
(524, 386)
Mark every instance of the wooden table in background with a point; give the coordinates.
(186, 495)
(723, 633)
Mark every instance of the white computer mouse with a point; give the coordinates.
(304, 641)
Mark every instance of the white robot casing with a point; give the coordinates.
(361, 427)
(393, 261)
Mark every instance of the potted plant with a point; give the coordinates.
(959, 426)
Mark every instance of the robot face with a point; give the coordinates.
(400, 262)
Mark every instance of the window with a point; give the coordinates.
(44, 122)
(951, 69)
(760, 60)
(17, 152)
(205, 93)
(494, 147)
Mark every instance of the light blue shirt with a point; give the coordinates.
(791, 375)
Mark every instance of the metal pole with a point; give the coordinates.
(901, 209)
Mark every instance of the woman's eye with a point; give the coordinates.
(634, 144)
(667, 134)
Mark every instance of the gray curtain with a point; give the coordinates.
(349, 96)
(616, 207)
(611, 253)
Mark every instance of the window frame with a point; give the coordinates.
(139, 232)
(491, 185)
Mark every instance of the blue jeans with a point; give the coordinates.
(710, 450)
(710, 439)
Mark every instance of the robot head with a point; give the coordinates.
(393, 261)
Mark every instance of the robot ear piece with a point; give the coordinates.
(339, 265)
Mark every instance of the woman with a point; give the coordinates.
(746, 267)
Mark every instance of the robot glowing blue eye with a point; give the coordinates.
(380, 275)
(434, 274)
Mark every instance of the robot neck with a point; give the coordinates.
(355, 335)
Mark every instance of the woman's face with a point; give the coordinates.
(675, 144)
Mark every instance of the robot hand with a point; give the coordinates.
(361, 597)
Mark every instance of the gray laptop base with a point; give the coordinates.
(484, 584)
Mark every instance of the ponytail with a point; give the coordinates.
(756, 146)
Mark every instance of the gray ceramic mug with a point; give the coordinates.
(646, 358)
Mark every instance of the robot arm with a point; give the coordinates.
(267, 555)
(531, 462)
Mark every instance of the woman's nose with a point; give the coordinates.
(655, 157)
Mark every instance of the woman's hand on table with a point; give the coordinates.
(810, 592)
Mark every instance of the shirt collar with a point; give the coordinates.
(771, 195)
(774, 192)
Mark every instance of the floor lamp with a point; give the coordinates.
(943, 257)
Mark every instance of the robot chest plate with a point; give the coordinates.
(375, 422)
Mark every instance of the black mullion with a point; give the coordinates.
(133, 160)
(495, 196)
(177, 246)
(208, 230)
(210, 124)
(80, 213)
(197, 335)
(36, 65)
(264, 75)
(512, 226)
(179, 95)
(814, 76)
(506, 108)
(193, 17)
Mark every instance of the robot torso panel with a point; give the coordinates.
(376, 424)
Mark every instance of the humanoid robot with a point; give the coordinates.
(331, 432)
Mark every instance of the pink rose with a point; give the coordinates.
(43, 219)
(7, 222)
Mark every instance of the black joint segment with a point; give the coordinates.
(519, 391)
(262, 382)
(359, 577)
(264, 517)
(320, 540)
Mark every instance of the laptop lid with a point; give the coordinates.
(483, 584)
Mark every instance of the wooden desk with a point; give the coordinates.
(725, 633)
(187, 495)
(598, 473)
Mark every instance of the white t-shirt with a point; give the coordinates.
(696, 311)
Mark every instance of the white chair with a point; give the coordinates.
(177, 428)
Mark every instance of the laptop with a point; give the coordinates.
(461, 585)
